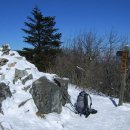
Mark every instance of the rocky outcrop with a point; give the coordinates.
(4, 93)
(50, 96)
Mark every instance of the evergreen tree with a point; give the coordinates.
(43, 36)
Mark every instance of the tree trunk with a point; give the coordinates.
(122, 89)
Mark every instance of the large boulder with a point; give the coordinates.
(50, 96)
(4, 93)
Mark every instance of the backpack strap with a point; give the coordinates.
(90, 100)
(87, 108)
(86, 101)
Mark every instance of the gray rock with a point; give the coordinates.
(49, 96)
(24, 102)
(27, 88)
(3, 61)
(27, 68)
(63, 83)
(12, 54)
(5, 49)
(29, 77)
(4, 93)
(12, 64)
(19, 74)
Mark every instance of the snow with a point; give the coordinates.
(108, 117)
(80, 68)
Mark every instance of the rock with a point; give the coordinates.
(12, 54)
(4, 93)
(63, 82)
(19, 74)
(19, 58)
(3, 61)
(27, 88)
(49, 96)
(2, 77)
(29, 77)
(5, 49)
(23, 103)
(12, 64)
(27, 68)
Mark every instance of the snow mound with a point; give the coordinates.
(20, 110)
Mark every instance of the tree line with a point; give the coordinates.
(88, 61)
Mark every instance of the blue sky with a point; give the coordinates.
(72, 17)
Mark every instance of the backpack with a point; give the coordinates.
(82, 105)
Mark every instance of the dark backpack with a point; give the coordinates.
(82, 105)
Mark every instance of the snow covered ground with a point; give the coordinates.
(108, 117)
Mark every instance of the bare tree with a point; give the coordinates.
(97, 57)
